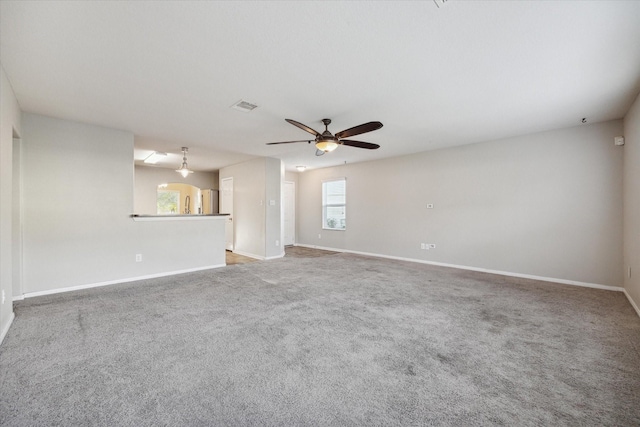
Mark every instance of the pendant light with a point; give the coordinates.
(184, 169)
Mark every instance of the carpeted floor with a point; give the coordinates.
(337, 340)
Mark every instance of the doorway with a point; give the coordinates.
(226, 206)
(289, 214)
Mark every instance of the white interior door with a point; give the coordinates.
(289, 213)
(226, 206)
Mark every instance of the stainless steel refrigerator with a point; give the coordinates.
(209, 201)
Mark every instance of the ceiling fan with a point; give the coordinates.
(326, 142)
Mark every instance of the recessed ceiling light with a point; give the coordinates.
(244, 106)
(155, 157)
(301, 168)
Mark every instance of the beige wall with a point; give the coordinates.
(16, 225)
(147, 179)
(547, 205)
(78, 229)
(257, 223)
(294, 177)
(632, 202)
(274, 177)
(10, 124)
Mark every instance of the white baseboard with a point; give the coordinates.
(482, 270)
(250, 255)
(114, 282)
(6, 327)
(633, 303)
(275, 257)
(260, 257)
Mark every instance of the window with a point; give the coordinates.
(168, 202)
(334, 204)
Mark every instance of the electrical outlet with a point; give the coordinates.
(277, 242)
(432, 246)
(319, 236)
(422, 246)
(3, 296)
(138, 257)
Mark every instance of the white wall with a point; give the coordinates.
(10, 124)
(78, 198)
(547, 204)
(147, 179)
(255, 183)
(632, 202)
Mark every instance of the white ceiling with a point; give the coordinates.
(435, 77)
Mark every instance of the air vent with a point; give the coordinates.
(244, 106)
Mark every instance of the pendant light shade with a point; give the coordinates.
(184, 169)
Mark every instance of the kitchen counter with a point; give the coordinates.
(140, 217)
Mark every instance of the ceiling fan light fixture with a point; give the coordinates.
(184, 169)
(326, 145)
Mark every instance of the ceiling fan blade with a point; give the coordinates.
(287, 142)
(303, 127)
(319, 153)
(359, 144)
(357, 130)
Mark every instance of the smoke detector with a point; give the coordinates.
(244, 106)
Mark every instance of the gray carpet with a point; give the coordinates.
(338, 340)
